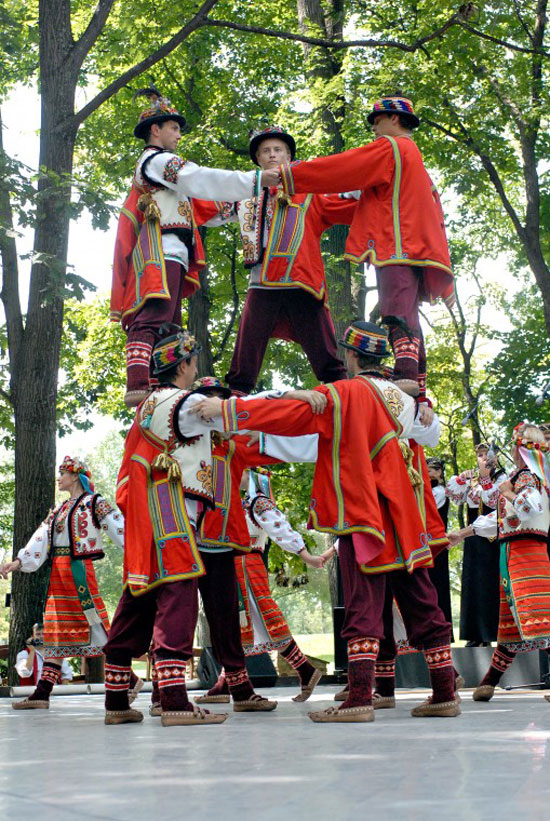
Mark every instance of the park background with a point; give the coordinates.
(478, 76)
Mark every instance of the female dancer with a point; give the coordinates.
(75, 619)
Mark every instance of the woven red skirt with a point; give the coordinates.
(254, 581)
(66, 629)
(524, 616)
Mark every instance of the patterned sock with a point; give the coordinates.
(155, 692)
(442, 674)
(138, 357)
(384, 676)
(171, 681)
(51, 674)
(239, 684)
(117, 682)
(502, 659)
(406, 352)
(221, 687)
(362, 653)
(292, 653)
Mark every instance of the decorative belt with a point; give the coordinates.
(61, 551)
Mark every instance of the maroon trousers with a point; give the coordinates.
(156, 311)
(399, 288)
(166, 616)
(143, 331)
(365, 595)
(305, 318)
(220, 597)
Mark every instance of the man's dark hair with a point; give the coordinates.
(404, 121)
(366, 361)
(167, 377)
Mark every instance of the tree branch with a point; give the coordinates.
(499, 42)
(187, 94)
(339, 44)
(195, 23)
(467, 140)
(524, 25)
(85, 42)
(504, 99)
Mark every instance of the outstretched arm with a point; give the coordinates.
(279, 529)
(30, 557)
(364, 167)
(286, 417)
(192, 180)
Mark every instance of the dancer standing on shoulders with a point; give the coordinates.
(75, 618)
(398, 226)
(158, 251)
(287, 295)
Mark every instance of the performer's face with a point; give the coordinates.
(385, 125)
(352, 363)
(65, 480)
(272, 153)
(38, 634)
(167, 135)
(187, 372)
(434, 473)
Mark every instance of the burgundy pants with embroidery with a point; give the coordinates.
(220, 597)
(288, 310)
(166, 615)
(144, 326)
(399, 296)
(364, 597)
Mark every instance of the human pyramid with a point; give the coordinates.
(196, 444)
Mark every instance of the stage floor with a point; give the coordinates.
(491, 762)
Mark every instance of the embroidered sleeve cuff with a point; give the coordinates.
(287, 179)
(486, 483)
(233, 421)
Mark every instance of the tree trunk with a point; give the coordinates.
(35, 361)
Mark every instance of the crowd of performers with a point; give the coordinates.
(194, 508)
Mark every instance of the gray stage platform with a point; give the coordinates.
(491, 762)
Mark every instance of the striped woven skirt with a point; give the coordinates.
(67, 631)
(524, 616)
(266, 628)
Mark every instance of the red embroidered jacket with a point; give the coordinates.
(399, 219)
(292, 257)
(361, 481)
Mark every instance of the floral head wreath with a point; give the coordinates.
(519, 441)
(72, 464)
